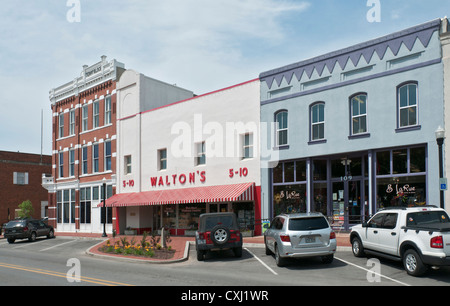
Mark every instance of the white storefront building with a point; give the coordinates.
(190, 157)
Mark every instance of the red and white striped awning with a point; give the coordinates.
(210, 194)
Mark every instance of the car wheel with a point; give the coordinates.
(51, 234)
(268, 251)
(32, 237)
(280, 261)
(11, 240)
(413, 263)
(220, 235)
(200, 255)
(327, 259)
(357, 247)
(237, 252)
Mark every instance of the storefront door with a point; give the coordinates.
(346, 208)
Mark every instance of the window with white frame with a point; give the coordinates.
(61, 164)
(71, 162)
(358, 104)
(247, 146)
(20, 178)
(84, 159)
(96, 114)
(95, 158)
(85, 205)
(108, 110)
(407, 105)
(162, 157)
(85, 116)
(318, 121)
(72, 122)
(61, 125)
(127, 162)
(108, 155)
(282, 128)
(200, 158)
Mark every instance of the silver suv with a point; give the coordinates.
(300, 235)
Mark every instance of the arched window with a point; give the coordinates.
(407, 104)
(318, 121)
(281, 119)
(358, 111)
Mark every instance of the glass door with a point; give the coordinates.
(338, 212)
(354, 202)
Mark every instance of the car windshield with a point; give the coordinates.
(17, 223)
(307, 224)
(213, 221)
(427, 217)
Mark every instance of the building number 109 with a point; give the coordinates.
(242, 172)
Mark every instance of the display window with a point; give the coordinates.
(289, 199)
(189, 215)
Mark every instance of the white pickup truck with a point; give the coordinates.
(418, 236)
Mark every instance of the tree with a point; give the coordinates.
(25, 209)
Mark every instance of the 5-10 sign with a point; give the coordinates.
(242, 172)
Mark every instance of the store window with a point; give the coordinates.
(169, 216)
(404, 182)
(190, 215)
(289, 199)
(245, 215)
(85, 205)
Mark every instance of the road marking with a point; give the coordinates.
(381, 275)
(63, 275)
(25, 244)
(267, 267)
(55, 246)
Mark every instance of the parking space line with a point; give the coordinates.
(29, 244)
(55, 246)
(266, 266)
(381, 275)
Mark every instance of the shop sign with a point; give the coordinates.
(290, 195)
(181, 179)
(406, 189)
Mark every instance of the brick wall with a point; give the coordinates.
(11, 195)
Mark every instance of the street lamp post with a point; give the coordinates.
(440, 136)
(104, 208)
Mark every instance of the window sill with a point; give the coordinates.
(408, 128)
(283, 147)
(357, 136)
(314, 142)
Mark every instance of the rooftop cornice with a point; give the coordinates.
(367, 49)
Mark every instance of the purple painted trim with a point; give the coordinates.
(393, 41)
(350, 82)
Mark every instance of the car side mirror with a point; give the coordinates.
(365, 224)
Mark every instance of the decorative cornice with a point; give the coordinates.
(367, 49)
(91, 77)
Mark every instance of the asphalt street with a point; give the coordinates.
(64, 262)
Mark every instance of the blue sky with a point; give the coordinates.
(201, 45)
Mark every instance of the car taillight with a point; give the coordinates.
(235, 235)
(285, 238)
(332, 235)
(201, 236)
(437, 242)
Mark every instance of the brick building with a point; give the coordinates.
(20, 180)
(84, 145)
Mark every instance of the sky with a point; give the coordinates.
(200, 45)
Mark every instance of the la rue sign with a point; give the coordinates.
(181, 179)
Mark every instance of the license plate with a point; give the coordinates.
(310, 239)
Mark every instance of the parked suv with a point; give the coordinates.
(300, 235)
(417, 236)
(218, 231)
(27, 229)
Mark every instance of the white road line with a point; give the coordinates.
(28, 244)
(267, 267)
(55, 246)
(381, 275)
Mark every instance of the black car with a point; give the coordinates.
(218, 231)
(27, 229)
